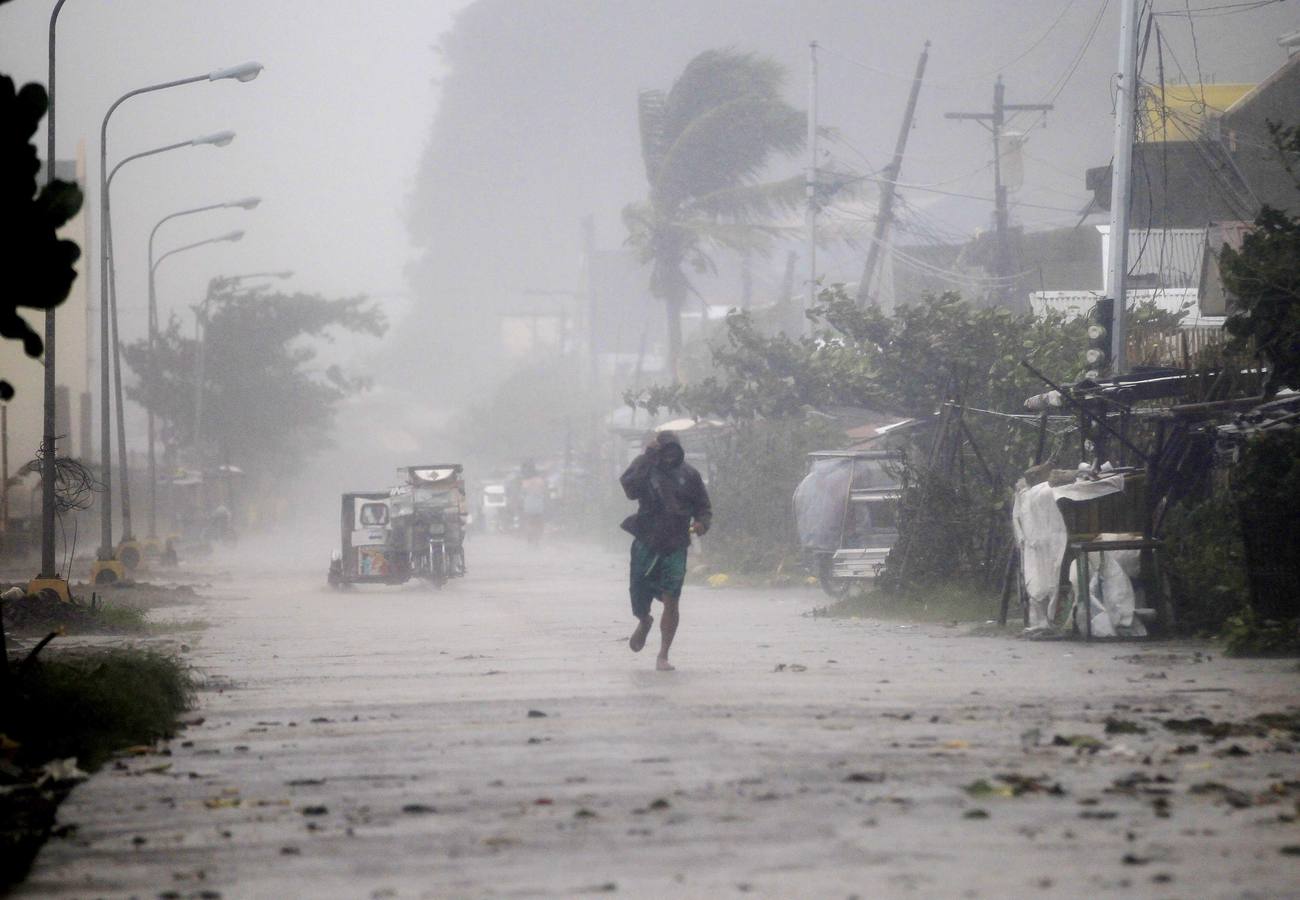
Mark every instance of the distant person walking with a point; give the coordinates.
(672, 504)
(532, 491)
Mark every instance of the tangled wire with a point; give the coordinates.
(75, 487)
(75, 484)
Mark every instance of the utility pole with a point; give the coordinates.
(49, 439)
(892, 171)
(994, 122)
(1126, 94)
(4, 468)
(811, 184)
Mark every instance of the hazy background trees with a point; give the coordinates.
(268, 403)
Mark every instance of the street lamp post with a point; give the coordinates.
(219, 139)
(245, 203)
(49, 451)
(105, 556)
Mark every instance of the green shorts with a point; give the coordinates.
(655, 575)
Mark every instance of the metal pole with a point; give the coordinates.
(153, 367)
(49, 440)
(811, 186)
(1000, 217)
(105, 424)
(105, 428)
(200, 344)
(154, 330)
(124, 488)
(4, 468)
(153, 344)
(1121, 175)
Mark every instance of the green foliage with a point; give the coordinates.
(938, 350)
(756, 467)
(1231, 558)
(265, 407)
(1245, 634)
(952, 532)
(1264, 277)
(37, 264)
(1266, 487)
(929, 352)
(1205, 563)
(92, 705)
(705, 145)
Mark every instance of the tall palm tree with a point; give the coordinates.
(706, 143)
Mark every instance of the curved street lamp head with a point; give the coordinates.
(216, 139)
(233, 236)
(287, 273)
(245, 203)
(242, 72)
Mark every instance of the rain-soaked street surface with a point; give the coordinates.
(499, 738)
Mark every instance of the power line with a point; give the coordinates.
(964, 80)
(1222, 9)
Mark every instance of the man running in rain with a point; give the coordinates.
(672, 504)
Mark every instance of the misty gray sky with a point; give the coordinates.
(328, 135)
(496, 148)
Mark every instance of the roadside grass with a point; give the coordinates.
(112, 617)
(94, 703)
(941, 603)
(86, 705)
(38, 614)
(1246, 635)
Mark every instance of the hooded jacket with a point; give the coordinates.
(669, 494)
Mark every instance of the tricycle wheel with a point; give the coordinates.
(835, 587)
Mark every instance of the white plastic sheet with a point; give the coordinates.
(1112, 595)
(819, 503)
(1088, 489)
(1041, 537)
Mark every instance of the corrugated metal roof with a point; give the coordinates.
(1159, 257)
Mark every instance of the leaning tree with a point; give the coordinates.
(706, 144)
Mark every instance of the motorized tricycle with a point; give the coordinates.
(429, 513)
(414, 530)
(846, 512)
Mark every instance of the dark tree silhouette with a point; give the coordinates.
(37, 264)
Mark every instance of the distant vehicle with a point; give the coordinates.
(429, 515)
(366, 556)
(414, 530)
(494, 502)
(846, 511)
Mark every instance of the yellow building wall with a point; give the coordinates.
(1183, 111)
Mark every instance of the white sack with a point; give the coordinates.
(1112, 596)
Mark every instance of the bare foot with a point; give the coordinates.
(637, 640)
(664, 665)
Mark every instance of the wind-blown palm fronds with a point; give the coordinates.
(705, 145)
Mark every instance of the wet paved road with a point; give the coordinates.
(386, 743)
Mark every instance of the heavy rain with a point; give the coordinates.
(660, 448)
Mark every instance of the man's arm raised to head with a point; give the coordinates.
(636, 480)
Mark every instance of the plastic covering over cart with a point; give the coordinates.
(846, 515)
